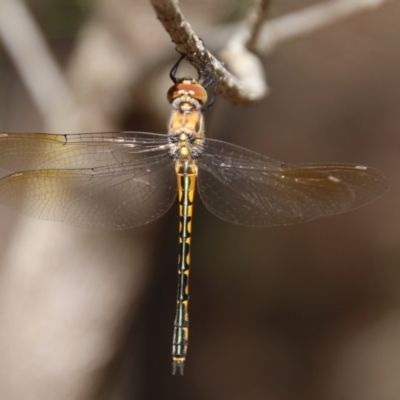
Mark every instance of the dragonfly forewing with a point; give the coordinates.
(26, 151)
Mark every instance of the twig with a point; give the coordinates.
(186, 40)
(39, 71)
(308, 20)
(253, 23)
(249, 85)
(22, 38)
(239, 58)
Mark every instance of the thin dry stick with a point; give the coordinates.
(254, 22)
(186, 40)
(241, 89)
(34, 62)
(52, 96)
(239, 58)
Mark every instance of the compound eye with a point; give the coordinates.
(188, 88)
(173, 93)
(198, 92)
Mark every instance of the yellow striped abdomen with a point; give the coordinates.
(186, 174)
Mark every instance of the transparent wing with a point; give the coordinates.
(102, 180)
(26, 151)
(248, 188)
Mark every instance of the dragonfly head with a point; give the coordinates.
(187, 90)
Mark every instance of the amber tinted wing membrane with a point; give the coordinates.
(367, 184)
(248, 188)
(25, 151)
(110, 181)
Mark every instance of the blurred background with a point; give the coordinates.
(309, 311)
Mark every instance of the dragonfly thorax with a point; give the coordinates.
(188, 121)
(186, 129)
(187, 97)
(184, 146)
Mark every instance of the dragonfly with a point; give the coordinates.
(120, 180)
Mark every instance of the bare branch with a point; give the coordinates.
(45, 81)
(254, 22)
(39, 71)
(248, 83)
(308, 20)
(186, 40)
(238, 56)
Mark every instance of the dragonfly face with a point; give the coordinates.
(118, 180)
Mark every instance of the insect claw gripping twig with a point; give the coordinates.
(207, 77)
(174, 69)
(206, 74)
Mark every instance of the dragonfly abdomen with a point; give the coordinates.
(186, 175)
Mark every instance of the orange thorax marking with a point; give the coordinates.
(187, 121)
